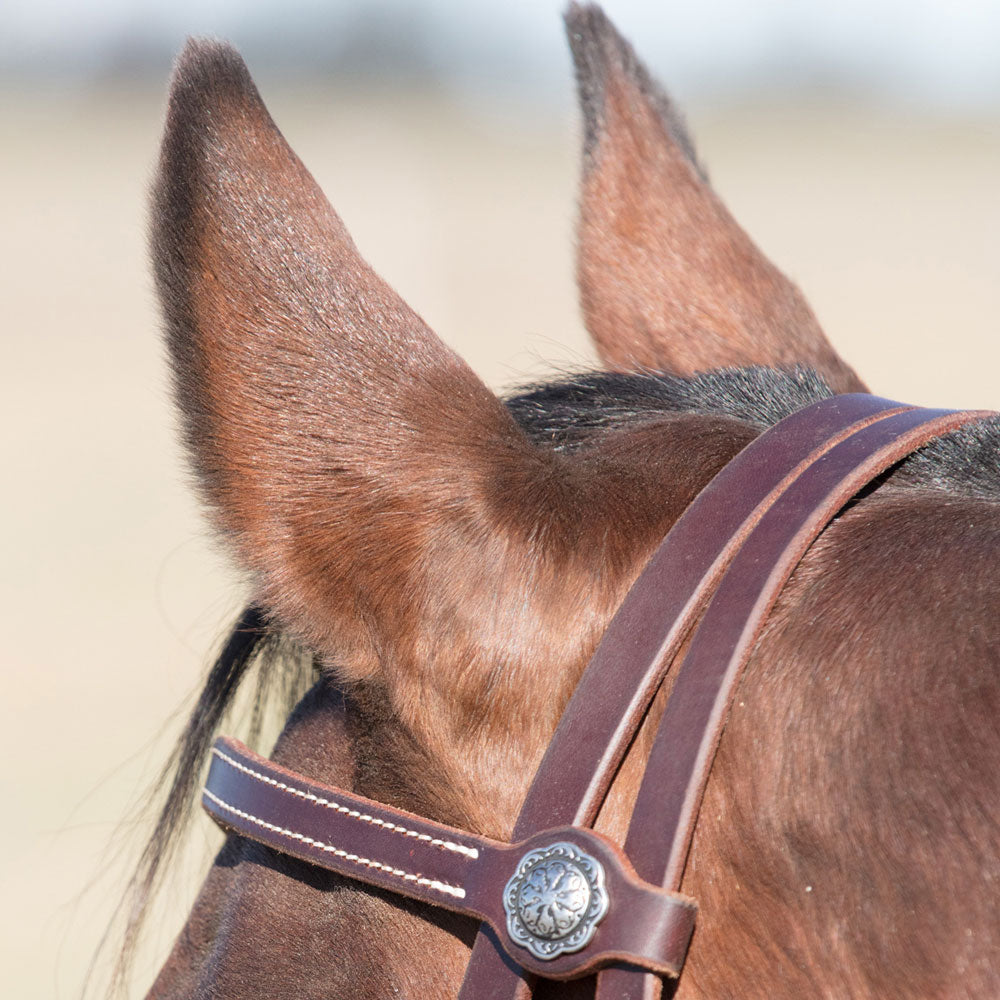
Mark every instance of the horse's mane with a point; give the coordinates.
(568, 412)
(284, 671)
(564, 414)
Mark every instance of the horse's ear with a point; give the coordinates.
(350, 456)
(668, 280)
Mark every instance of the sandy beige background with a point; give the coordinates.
(113, 595)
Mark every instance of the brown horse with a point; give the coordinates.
(450, 560)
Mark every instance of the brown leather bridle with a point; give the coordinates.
(563, 901)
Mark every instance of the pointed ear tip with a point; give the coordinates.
(207, 74)
(601, 54)
(207, 66)
(589, 30)
(586, 17)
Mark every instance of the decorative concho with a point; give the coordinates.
(555, 900)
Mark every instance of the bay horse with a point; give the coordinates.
(449, 560)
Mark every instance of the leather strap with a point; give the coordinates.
(645, 634)
(642, 638)
(759, 515)
(666, 809)
(406, 854)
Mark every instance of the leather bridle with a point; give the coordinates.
(563, 901)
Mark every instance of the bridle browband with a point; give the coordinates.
(563, 901)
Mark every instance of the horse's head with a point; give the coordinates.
(452, 560)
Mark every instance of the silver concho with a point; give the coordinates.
(555, 900)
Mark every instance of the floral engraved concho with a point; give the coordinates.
(555, 900)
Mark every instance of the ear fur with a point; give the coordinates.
(668, 280)
(337, 441)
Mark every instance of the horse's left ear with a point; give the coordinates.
(668, 280)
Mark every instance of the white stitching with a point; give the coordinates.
(447, 845)
(450, 890)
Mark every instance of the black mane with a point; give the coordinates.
(571, 411)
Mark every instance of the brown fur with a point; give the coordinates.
(455, 577)
(668, 280)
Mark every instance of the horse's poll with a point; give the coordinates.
(563, 901)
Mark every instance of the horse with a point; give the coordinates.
(448, 561)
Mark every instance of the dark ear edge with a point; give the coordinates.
(208, 74)
(668, 279)
(363, 474)
(596, 46)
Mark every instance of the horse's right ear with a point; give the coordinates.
(668, 280)
(358, 466)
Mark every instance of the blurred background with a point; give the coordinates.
(858, 142)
